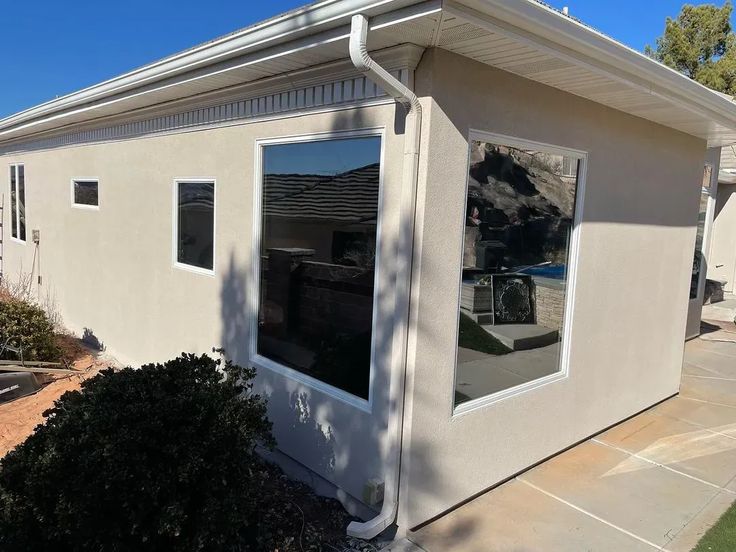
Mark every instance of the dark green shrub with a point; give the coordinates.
(156, 459)
(29, 326)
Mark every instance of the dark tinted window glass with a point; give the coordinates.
(518, 227)
(86, 192)
(21, 203)
(196, 212)
(318, 253)
(13, 202)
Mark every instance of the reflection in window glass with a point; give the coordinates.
(518, 225)
(318, 254)
(195, 224)
(14, 201)
(86, 192)
(21, 203)
(17, 202)
(698, 258)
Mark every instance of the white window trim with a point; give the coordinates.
(572, 272)
(17, 204)
(84, 206)
(262, 362)
(175, 227)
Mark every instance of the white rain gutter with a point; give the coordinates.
(393, 87)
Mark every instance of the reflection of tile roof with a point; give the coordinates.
(348, 197)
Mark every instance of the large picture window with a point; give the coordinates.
(194, 230)
(319, 211)
(18, 202)
(515, 266)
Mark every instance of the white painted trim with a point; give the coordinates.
(16, 228)
(330, 93)
(175, 263)
(85, 206)
(254, 294)
(572, 271)
(532, 23)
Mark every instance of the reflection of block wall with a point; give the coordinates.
(334, 298)
(314, 298)
(550, 304)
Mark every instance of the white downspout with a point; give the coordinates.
(392, 86)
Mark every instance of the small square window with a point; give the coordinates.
(86, 193)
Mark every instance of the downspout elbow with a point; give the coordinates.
(403, 95)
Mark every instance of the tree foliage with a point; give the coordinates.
(27, 326)
(701, 44)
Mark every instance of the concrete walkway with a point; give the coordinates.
(655, 482)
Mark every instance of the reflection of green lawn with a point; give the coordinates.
(722, 536)
(472, 336)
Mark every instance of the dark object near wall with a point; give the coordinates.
(14, 385)
(513, 299)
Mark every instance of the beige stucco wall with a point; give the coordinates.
(636, 244)
(111, 270)
(722, 259)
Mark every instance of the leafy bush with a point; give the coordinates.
(160, 458)
(28, 325)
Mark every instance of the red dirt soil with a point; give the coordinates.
(19, 418)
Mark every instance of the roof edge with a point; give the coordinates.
(308, 20)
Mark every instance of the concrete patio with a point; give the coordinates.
(655, 482)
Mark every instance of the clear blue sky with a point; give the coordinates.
(52, 47)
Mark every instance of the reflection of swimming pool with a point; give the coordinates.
(554, 271)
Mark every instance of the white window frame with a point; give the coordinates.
(567, 174)
(16, 229)
(572, 271)
(262, 362)
(76, 205)
(175, 226)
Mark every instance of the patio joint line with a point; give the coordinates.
(711, 351)
(592, 515)
(692, 423)
(664, 466)
(708, 402)
(709, 377)
(693, 518)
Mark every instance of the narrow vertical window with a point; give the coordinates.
(14, 201)
(21, 203)
(195, 224)
(318, 256)
(17, 202)
(515, 263)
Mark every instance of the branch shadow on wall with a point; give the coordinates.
(303, 417)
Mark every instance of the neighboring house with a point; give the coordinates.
(722, 253)
(434, 301)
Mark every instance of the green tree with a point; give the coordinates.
(700, 43)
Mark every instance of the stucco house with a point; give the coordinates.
(454, 236)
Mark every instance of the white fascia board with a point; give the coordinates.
(315, 18)
(568, 38)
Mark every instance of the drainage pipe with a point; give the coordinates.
(405, 247)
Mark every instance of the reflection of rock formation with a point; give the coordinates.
(519, 199)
